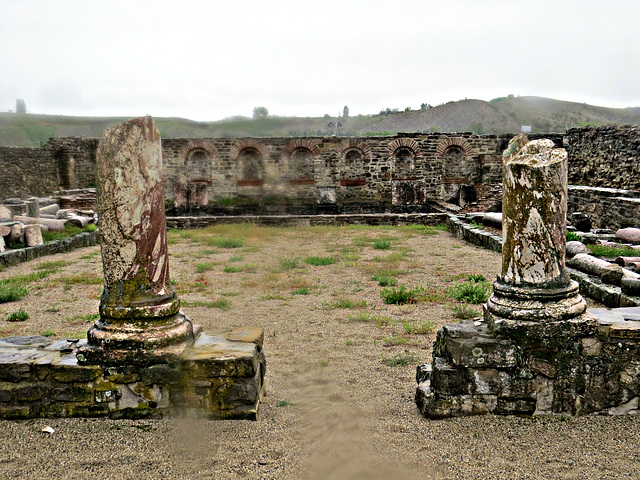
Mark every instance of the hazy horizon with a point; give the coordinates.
(206, 61)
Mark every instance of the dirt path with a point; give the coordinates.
(336, 408)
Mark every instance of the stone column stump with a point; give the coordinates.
(534, 285)
(140, 319)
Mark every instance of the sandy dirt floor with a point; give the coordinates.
(337, 407)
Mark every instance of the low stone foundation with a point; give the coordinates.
(310, 220)
(587, 365)
(20, 255)
(219, 377)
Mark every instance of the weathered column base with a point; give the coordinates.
(139, 341)
(533, 304)
(218, 377)
(584, 365)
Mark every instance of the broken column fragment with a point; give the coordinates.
(537, 351)
(534, 284)
(32, 235)
(139, 311)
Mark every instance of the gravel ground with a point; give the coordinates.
(334, 409)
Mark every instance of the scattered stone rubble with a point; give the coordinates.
(537, 350)
(23, 221)
(614, 282)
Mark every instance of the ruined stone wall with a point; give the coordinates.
(307, 175)
(76, 158)
(606, 156)
(407, 169)
(25, 172)
(61, 163)
(606, 207)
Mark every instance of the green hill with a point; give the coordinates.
(500, 115)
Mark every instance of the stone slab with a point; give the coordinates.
(219, 377)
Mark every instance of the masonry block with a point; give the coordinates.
(219, 377)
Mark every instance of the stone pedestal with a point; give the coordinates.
(33, 207)
(33, 235)
(218, 377)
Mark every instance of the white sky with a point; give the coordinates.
(206, 60)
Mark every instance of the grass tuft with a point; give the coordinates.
(399, 359)
(382, 244)
(289, 263)
(359, 317)
(320, 261)
(420, 329)
(401, 295)
(473, 290)
(232, 269)
(224, 242)
(205, 266)
(464, 312)
(344, 303)
(19, 316)
(609, 252)
(11, 293)
(385, 280)
(394, 340)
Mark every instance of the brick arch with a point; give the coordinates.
(353, 144)
(197, 144)
(409, 143)
(445, 143)
(297, 143)
(241, 144)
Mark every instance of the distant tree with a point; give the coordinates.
(407, 109)
(424, 106)
(345, 111)
(477, 128)
(334, 127)
(326, 116)
(21, 107)
(260, 112)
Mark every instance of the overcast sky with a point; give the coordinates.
(206, 60)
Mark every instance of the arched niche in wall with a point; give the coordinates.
(300, 155)
(194, 171)
(198, 164)
(354, 155)
(196, 160)
(404, 152)
(458, 171)
(456, 153)
(249, 155)
(448, 142)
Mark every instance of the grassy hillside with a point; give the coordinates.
(501, 115)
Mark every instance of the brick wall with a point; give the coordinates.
(363, 174)
(343, 170)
